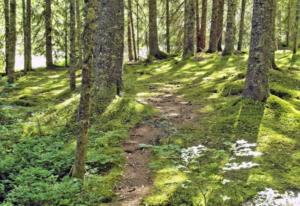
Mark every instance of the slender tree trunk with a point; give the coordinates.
(132, 29)
(197, 26)
(154, 50)
(85, 98)
(288, 23)
(279, 21)
(220, 24)
(26, 6)
(108, 56)
(48, 33)
(11, 40)
(242, 26)
(72, 69)
(129, 39)
(214, 31)
(230, 28)
(137, 30)
(189, 28)
(272, 32)
(202, 34)
(257, 86)
(66, 27)
(296, 34)
(78, 34)
(168, 26)
(7, 27)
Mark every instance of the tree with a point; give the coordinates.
(154, 50)
(10, 38)
(242, 25)
(48, 33)
(201, 37)
(189, 28)
(78, 33)
(214, 29)
(72, 69)
(85, 98)
(27, 35)
(288, 22)
(129, 38)
(168, 26)
(130, 16)
(296, 27)
(259, 62)
(220, 24)
(230, 28)
(109, 49)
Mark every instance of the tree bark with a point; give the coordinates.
(129, 39)
(72, 69)
(132, 29)
(257, 86)
(295, 46)
(108, 52)
(154, 50)
(137, 30)
(85, 98)
(66, 28)
(242, 26)
(202, 34)
(48, 33)
(189, 28)
(7, 27)
(26, 7)
(230, 28)
(168, 26)
(78, 34)
(288, 23)
(220, 24)
(214, 31)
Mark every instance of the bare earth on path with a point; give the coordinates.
(137, 179)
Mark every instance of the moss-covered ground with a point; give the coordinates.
(38, 134)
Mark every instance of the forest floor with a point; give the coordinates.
(180, 135)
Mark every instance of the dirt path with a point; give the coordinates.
(137, 179)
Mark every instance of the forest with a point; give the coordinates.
(149, 102)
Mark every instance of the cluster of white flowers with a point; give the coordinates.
(242, 148)
(191, 153)
(270, 197)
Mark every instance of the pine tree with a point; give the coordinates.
(189, 28)
(48, 33)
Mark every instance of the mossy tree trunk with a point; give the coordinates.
(257, 86)
(242, 26)
(230, 28)
(73, 63)
(296, 27)
(85, 98)
(189, 28)
(11, 38)
(48, 33)
(108, 52)
(201, 39)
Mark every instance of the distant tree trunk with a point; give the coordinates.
(129, 39)
(79, 34)
(108, 52)
(85, 97)
(132, 29)
(48, 33)
(288, 23)
(168, 26)
(153, 37)
(197, 26)
(272, 32)
(257, 86)
(27, 35)
(137, 30)
(7, 28)
(66, 27)
(295, 47)
(72, 69)
(189, 28)
(11, 38)
(220, 23)
(242, 26)
(202, 34)
(279, 21)
(214, 31)
(230, 28)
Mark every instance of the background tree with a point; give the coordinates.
(201, 43)
(73, 63)
(214, 30)
(296, 27)
(220, 23)
(189, 28)
(242, 25)
(48, 33)
(27, 35)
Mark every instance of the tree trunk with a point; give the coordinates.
(78, 34)
(48, 33)
(230, 28)
(132, 29)
(129, 39)
(295, 43)
(26, 6)
(72, 69)
(85, 98)
(272, 32)
(288, 23)
(242, 26)
(11, 38)
(66, 27)
(7, 27)
(189, 28)
(214, 31)
(168, 26)
(137, 30)
(257, 87)
(220, 24)
(108, 56)
(202, 34)
(153, 37)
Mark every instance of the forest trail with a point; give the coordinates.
(137, 179)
